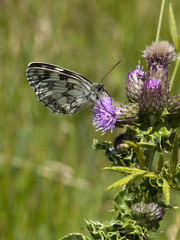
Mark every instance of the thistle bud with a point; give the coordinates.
(147, 215)
(139, 211)
(154, 212)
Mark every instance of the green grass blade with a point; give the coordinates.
(173, 28)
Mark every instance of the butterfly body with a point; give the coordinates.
(62, 90)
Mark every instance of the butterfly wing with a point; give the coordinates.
(61, 90)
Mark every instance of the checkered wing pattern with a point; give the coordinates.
(62, 90)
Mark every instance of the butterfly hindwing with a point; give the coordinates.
(62, 90)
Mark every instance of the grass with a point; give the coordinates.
(39, 197)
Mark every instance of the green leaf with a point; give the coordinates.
(75, 236)
(172, 26)
(174, 156)
(127, 180)
(124, 169)
(140, 132)
(166, 191)
(123, 201)
(162, 132)
(129, 170)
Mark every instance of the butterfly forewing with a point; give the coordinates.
(62, 90)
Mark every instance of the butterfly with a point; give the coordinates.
(62, 90)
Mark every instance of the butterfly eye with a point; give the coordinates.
(100, 87)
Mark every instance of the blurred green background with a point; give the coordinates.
(50, 178)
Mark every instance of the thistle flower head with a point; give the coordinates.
(104, 115)
(139, 210)
(161, 53)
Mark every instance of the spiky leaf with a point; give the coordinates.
(127, 180)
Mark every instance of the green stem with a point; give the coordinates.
(160, 20)
(152, 120)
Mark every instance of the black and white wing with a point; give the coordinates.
(60, 89)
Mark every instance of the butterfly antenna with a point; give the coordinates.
(110, 71)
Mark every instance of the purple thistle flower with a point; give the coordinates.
(105, 116)
(134, 83)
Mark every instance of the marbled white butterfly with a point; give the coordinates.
(62, 90)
